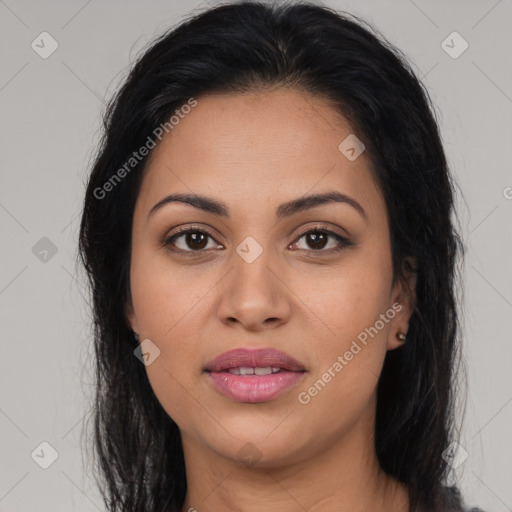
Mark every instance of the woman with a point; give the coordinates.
(267, 232)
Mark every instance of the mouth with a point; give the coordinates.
(244, 361)
(249, 375)
(248, 370)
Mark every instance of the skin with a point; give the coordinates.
(253, 152)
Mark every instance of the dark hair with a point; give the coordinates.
(250, 46)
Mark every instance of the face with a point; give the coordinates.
(313, 282)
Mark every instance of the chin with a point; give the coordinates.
(261, 445)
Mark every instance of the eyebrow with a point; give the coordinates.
(287, 209)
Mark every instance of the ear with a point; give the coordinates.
(403, 299)
(130, 316)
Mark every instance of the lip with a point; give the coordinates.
(254, 388)
(262, 357)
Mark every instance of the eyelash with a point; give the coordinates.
(168, 242)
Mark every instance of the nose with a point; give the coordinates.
(253, 294)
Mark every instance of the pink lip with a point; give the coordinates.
(254, 357)
(254, 388)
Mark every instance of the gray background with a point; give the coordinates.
(50, 122)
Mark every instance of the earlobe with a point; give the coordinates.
(401, 336)
(396, 341)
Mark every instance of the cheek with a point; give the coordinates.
(169, 305)
(349, 360)
(345, 300)
(347, 309)
(166, 296)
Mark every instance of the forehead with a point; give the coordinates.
(258, 148)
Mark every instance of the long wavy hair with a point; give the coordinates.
(251, 46)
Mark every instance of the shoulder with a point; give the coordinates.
(453, 502)
(456, 503)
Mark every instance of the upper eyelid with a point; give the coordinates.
(320, 227)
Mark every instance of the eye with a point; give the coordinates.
(317, 239)
(194, 240)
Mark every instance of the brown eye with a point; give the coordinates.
(316, 240)
(190, 240)
(196, 240)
